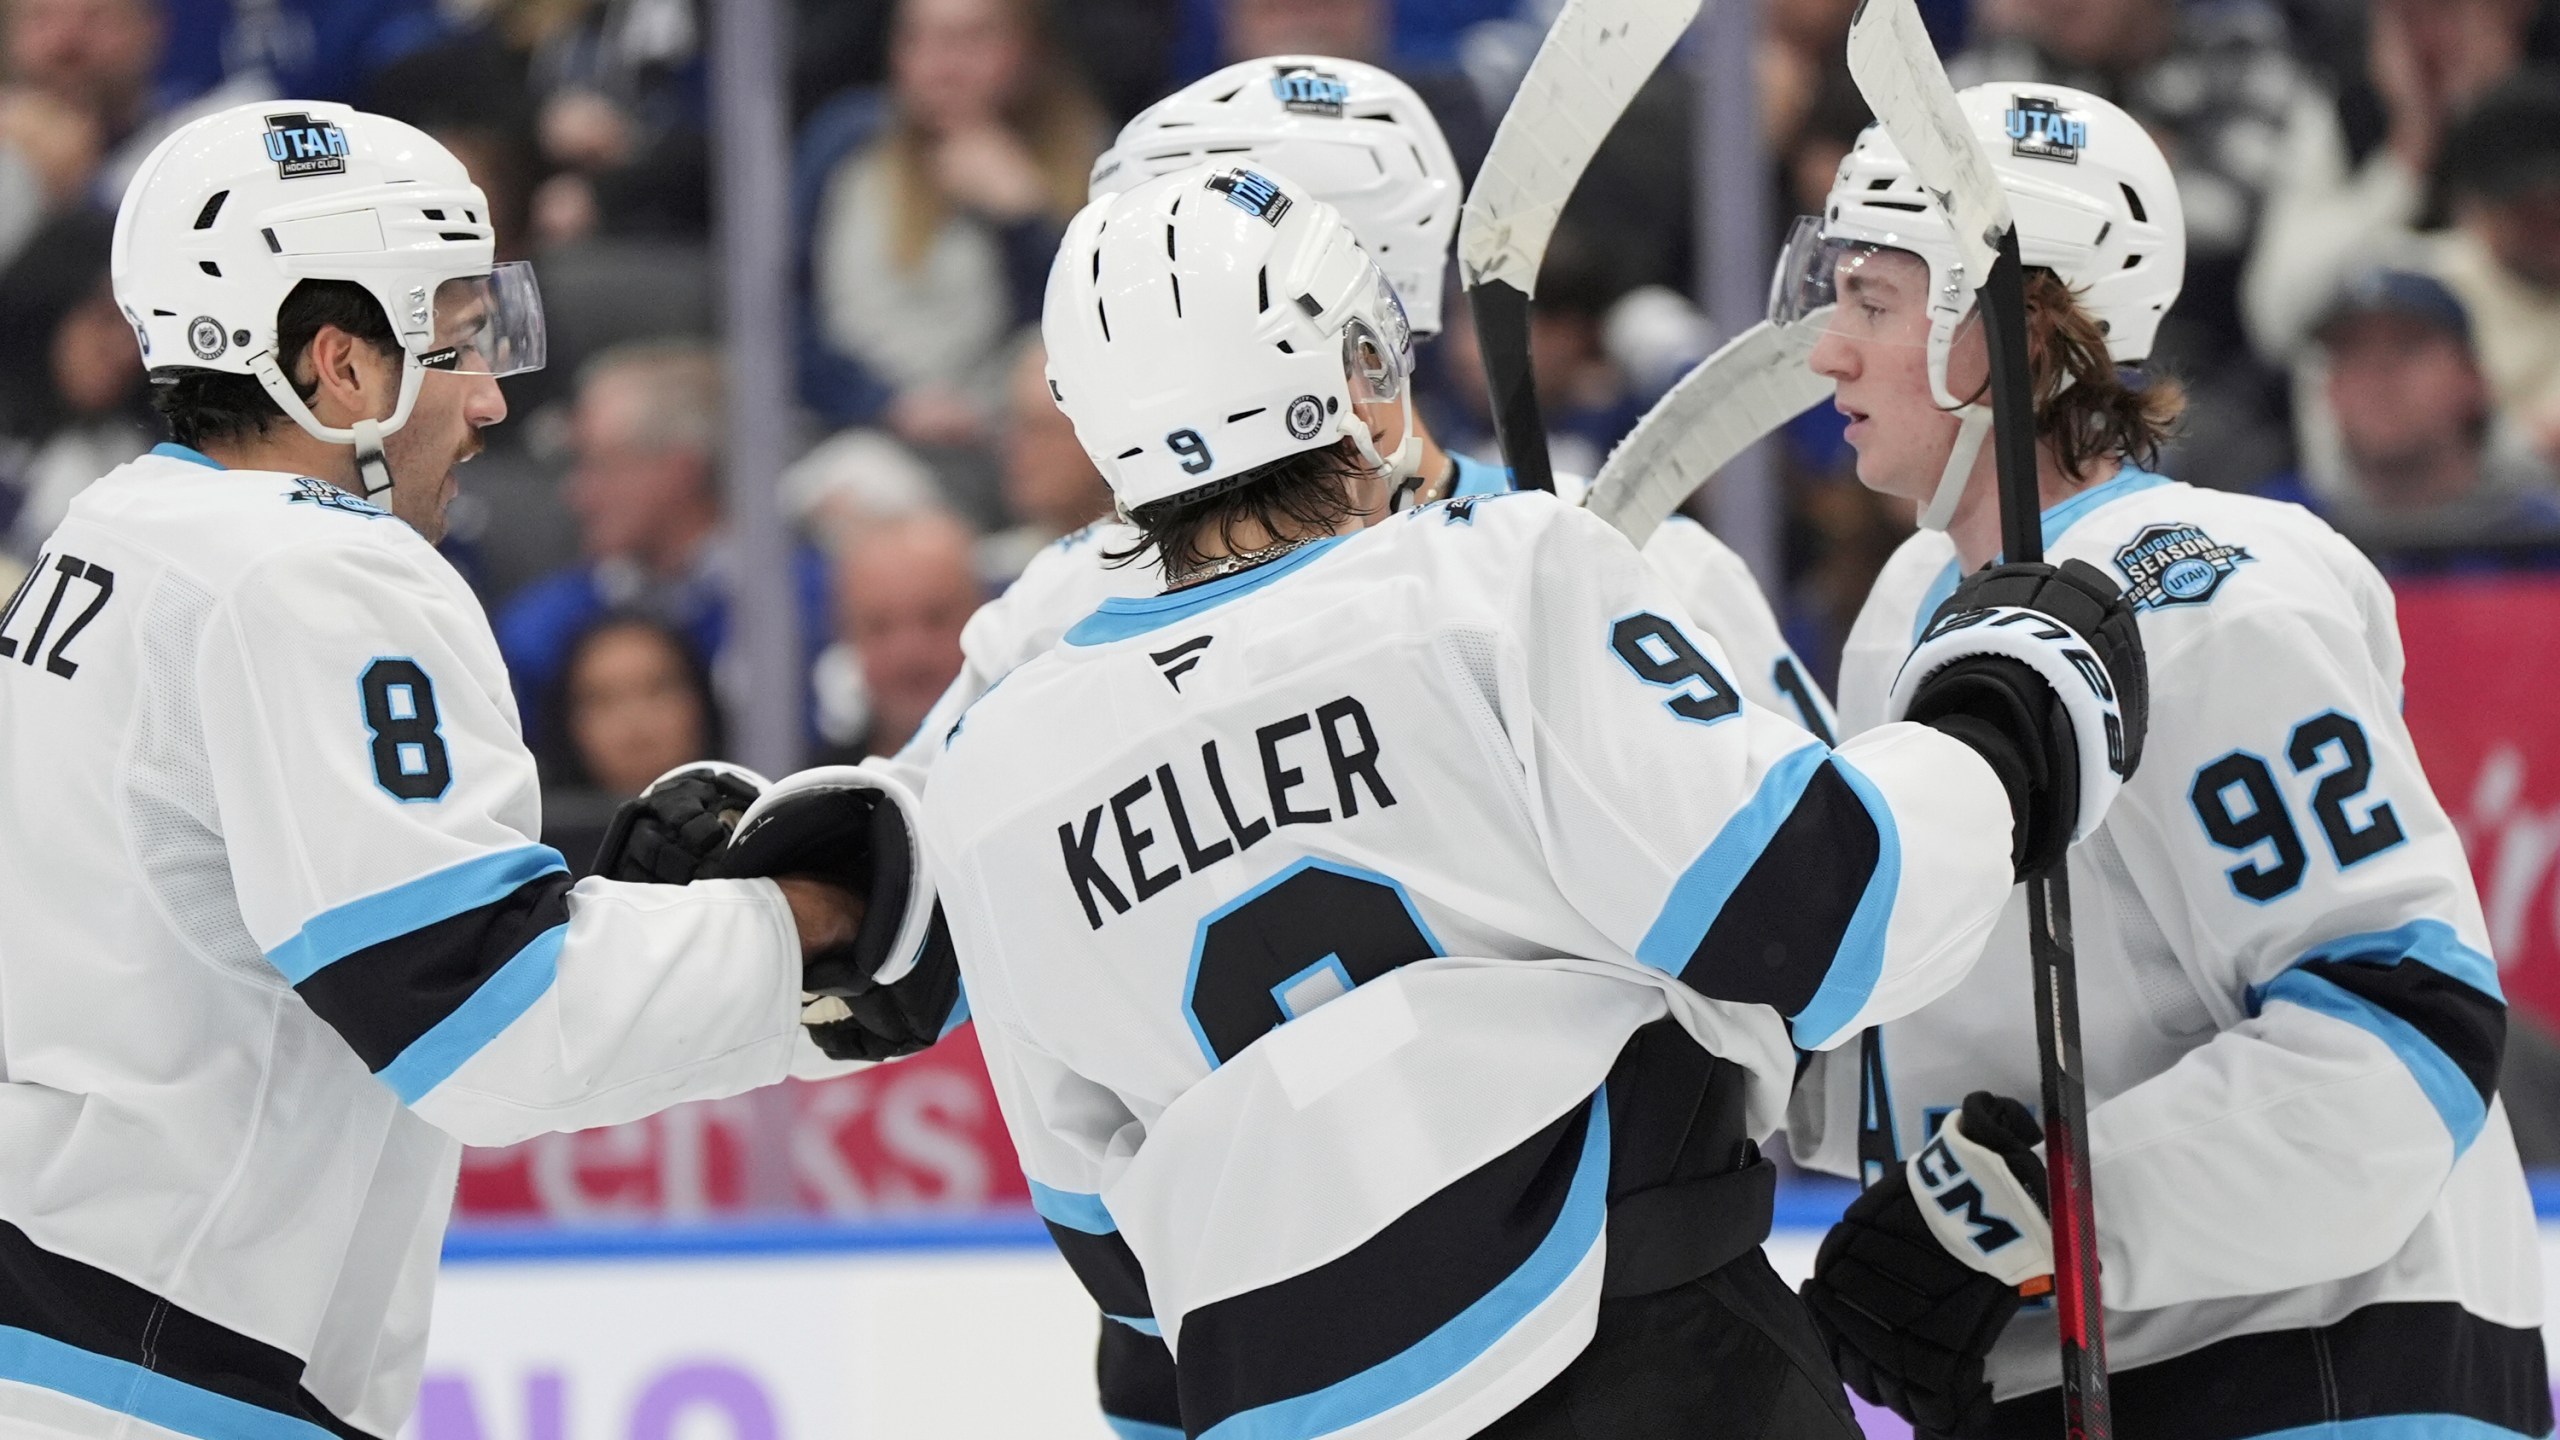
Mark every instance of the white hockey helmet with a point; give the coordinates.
(1214, 320)
(2094, 201)
(1355, 136)
(229, 213)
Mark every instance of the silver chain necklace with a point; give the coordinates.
(1242, 560)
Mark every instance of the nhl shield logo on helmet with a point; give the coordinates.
(204, 336)
(1305, 90)
(1254, 194)
(1306, 416)
(2041, 129)
(302, 146)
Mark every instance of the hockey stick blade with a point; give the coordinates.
(1751, 385)
(1595, 57)
(1897, 71)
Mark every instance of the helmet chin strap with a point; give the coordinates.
(1973, 424)
(1404, 467)
(373, 472)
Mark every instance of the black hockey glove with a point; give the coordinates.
(2040, 670)
(1924, 1271)
(665, 834)
(890, 990)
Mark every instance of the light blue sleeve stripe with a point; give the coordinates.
(1702, 890)
(1074, 1209)
(475, 1022)
(1431, 1361)
(2402, 1427)
(2432, 943)
(1140, 1429)
(124, 1388)
(1143, 1324)
(2444, 1084)
(1859, 962)
(959, 1014)
(333, 935)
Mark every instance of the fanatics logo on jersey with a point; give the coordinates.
(1255, 195)
(1309, 91)
(307, 491)
(2175, 565)
(303, 146)
(205, 337)
(1177, 662)
(2039, 128)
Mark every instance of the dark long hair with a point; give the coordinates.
(562, 767)
(1301, 494)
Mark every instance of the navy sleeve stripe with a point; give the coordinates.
(2421, 991)
(1787, 906)
(333, 935)
(1408, 1308)
(1109, 1271)
(424, 984)
(1133, 1373)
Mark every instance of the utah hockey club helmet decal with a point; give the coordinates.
(303, 147)
(2040, 129)
(1305, 90)
(1252, 193)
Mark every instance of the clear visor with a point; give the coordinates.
(489, 324)
(1874, 292)
(1375, 363)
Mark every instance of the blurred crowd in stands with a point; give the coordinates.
(2371, 320)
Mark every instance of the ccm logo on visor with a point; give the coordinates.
(303, 146)
(2039, 128)
(1255, 195)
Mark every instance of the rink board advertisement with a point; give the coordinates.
(927, 1330)
(2483, 650)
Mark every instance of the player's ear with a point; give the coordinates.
(350, 377)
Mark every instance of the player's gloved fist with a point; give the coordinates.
(1922, 1273)
(664, 834)
(889, 989)
(2040, 670)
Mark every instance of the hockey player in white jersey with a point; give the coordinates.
(1388, 941)
(1362, 141)
(279, 939)
(2310, 1215)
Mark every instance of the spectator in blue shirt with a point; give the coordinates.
(645, 489)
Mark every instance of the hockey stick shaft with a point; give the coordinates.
(1502, 336)
(2078, 1312)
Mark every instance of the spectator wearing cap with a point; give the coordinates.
(2423, 460)
(2357, 168)
(2501, 177)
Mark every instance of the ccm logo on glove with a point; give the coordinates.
(1979, 1207)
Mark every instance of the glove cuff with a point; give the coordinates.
(1978, 1208)
(2062, 659)
(904, 870)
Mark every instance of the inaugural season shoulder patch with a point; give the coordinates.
(308, 491)
(2175, 564)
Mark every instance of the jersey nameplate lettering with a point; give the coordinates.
(96, 579)
(1102, 874)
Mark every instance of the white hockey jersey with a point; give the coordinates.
(1304, 912)
(1064, 583)
(2308, 1200)
(278, 942)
